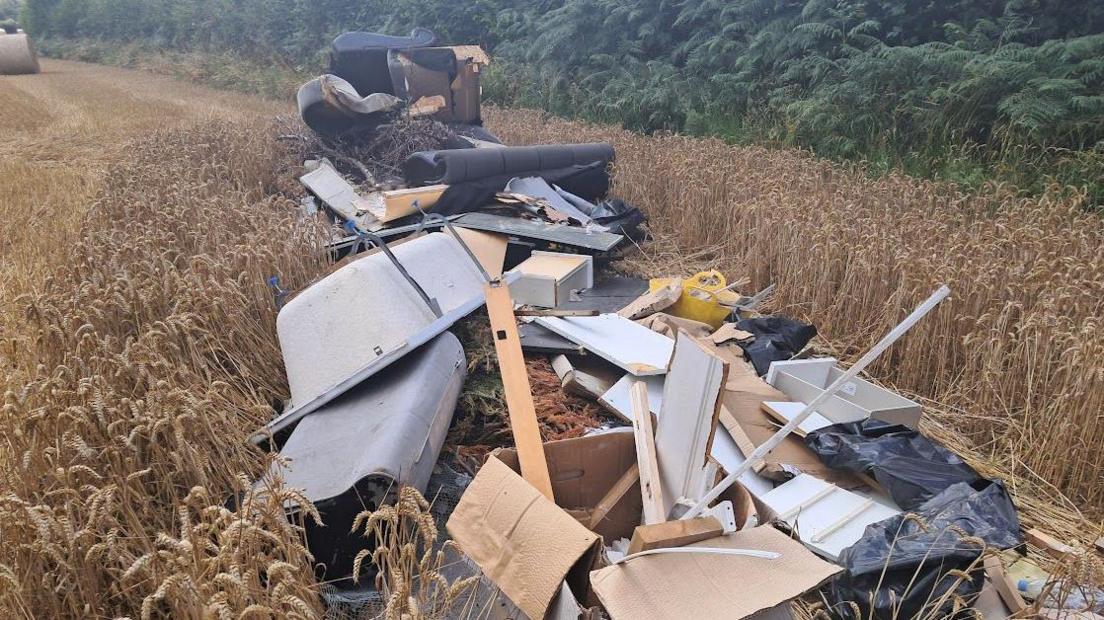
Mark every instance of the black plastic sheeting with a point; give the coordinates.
(450, 167)
(909, 466)
(899, 567)
(777, 338)
(361, 58)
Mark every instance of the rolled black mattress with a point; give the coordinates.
(458, 166)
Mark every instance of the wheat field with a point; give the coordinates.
(142, 218)
(1012, 366)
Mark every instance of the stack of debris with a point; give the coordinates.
(735, 472)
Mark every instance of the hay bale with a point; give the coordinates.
(17, 55)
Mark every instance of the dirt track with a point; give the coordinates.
(61, 129)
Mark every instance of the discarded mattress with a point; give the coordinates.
(330, 105)
(458, 166)
(385, 433)
(364, 316)
(361, 58)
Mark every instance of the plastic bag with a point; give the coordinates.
(899, 568)
(909, 466)
(777, 338)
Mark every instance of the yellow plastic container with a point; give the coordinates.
(702, 297)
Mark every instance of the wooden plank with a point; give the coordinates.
(391, 205)
(1051, 545)
(653, 301)
(651, 489)
(691, 404)
(1009, 593)
(489, 248)
(674, 534)
(515, 382)
(626, 483)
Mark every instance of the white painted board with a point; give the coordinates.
(819, 516)
(727, 453)
(618, 340)
(691, 395)
(788, 411)
(617, 399)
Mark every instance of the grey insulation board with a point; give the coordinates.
(556, 233)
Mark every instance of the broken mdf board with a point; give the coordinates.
(586, 375)
(546, 279)
(684, 434)
(334, 191)
(677, 586)
(783, 412)
(515, 382)
(827, 518)
(618, 399)
(390, 205)
(557, 233)
(857, 400)
(622, 342)
(489, 248)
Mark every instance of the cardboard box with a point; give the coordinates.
(528, 545)
(857, 400)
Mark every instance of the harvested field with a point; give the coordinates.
(142, 218)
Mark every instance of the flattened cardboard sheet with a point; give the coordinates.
(707, 587)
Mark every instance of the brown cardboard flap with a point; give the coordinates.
(703, 587)
(521, 540)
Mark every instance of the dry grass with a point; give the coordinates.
(1016, 356)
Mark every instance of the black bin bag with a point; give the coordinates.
(900, 567)
(909, 466)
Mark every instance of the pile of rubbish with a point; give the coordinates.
(733, 471)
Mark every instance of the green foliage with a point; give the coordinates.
(952, 89)
(10, 10)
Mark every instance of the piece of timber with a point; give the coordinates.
(1051, 545)
(624, 485)
(651, 490)
(1009, 593)
(515, 382)
(674, 534)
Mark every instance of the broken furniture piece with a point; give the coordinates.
(390, 205)
(622, 342)
(330, 105)
(355, 452)
(617, 398)
(856, 400)
(827, 518)
(460, 165)
(336, 193)
(369, 313)
(547, 279)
